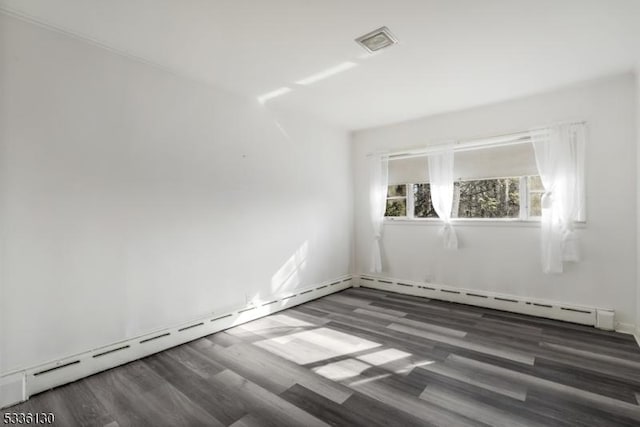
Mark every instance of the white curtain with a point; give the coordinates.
(557, 151)
(378, 183)
(441, 185)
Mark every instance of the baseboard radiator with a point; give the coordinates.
(598, 317)
(18, 386)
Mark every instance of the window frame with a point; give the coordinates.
(524, 217)
(525, 195)
(406, 197)
(527, 198)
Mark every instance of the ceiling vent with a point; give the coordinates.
(377, 40)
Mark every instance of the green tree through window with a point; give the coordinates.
(480, 198)
(423, 205)
(396, 200)
(487, 198)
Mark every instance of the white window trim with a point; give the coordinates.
(473, 222)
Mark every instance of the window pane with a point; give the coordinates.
(535, 183)
(397, 190)
(422, 198)
(535, 207)
(488, 198)
(396, 207)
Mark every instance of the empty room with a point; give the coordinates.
(319, 213)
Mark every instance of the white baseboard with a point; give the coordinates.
(523, 305)
(18, 386)
(625, 328)
(12, 389)
(534, 307)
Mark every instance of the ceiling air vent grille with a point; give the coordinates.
(377, 39)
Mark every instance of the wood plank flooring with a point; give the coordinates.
(369, 358)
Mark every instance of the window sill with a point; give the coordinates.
(474, 222)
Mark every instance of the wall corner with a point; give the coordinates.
(637, 105)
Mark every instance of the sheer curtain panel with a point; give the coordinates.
(557, 153)
(378, 183)
(441, 182)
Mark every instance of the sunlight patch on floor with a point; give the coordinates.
(383, 356)
(410, 367)
(341, 370)
(315, 345)
(370, 379)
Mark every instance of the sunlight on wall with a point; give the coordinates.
(286, 279)
(288, 275)
(282, 130)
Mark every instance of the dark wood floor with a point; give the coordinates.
(370, 358)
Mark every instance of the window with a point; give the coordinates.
(487, 198)
(423, 208)
(396, 201)
(481, 198)
(496, 182)
(536, 190)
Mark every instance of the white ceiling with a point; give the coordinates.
(453, 54)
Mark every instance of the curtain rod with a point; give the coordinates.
(501, 140)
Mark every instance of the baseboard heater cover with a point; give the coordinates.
(18, 386)
(12, 389)
(600, 318)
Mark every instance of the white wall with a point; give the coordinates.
(134, 199)
(506, 258)
(637, 75)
